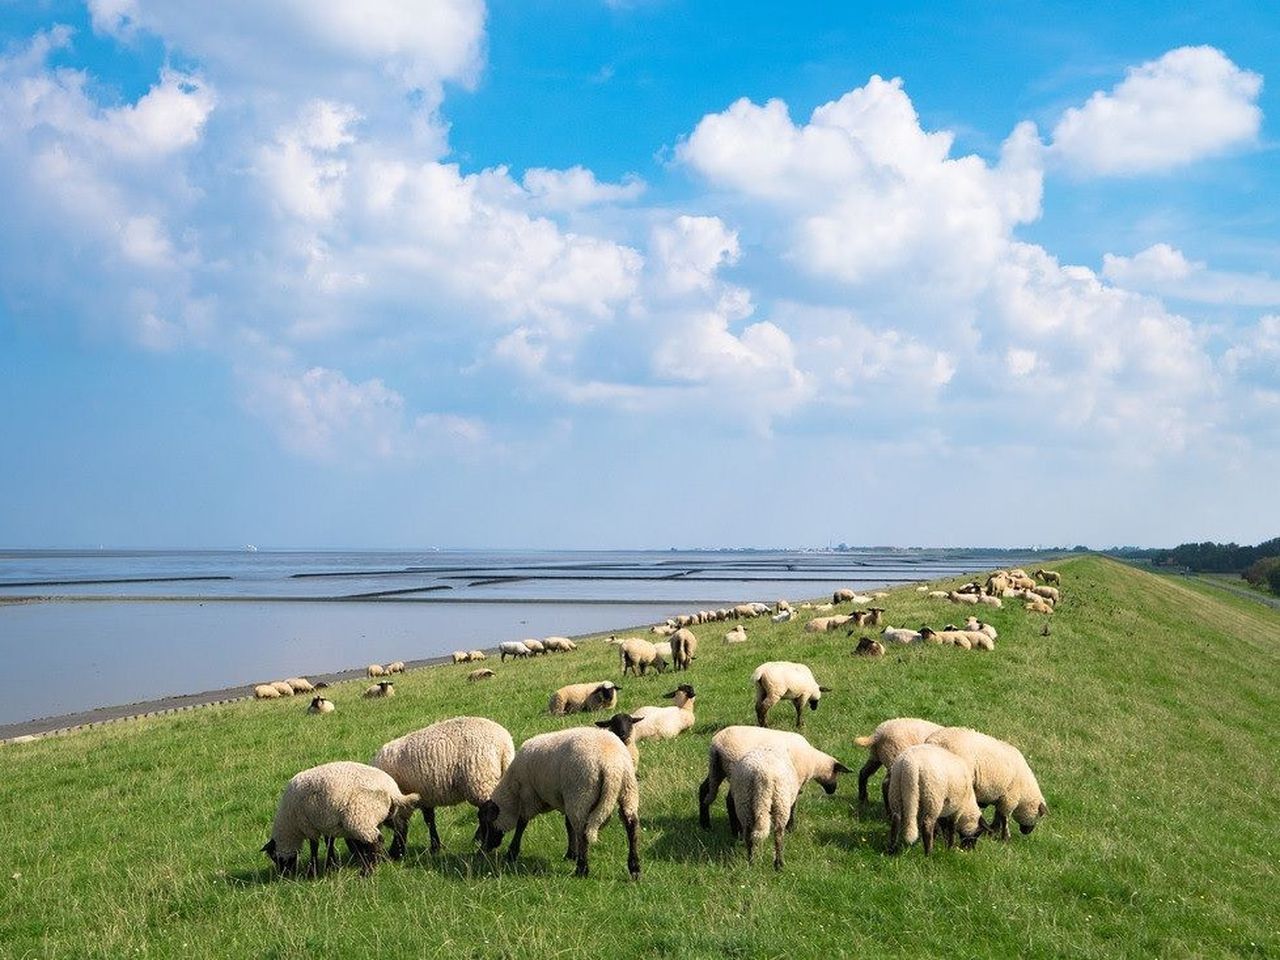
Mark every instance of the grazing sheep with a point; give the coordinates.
(733, 743)
(476, 655)
(764, 787)
(265, 691)
(783, 680)
(929, 785)
(535, 647)
(584, 697)
(885, 743)
(321, 705)
(663, 629)
(1001, 777)
(382, 688)
(737, 635)
(900, 635)
(584, 773)
(869, 648)
(559, 644)
(638, 655)
(513, 648)
(664, 650)
(747, 610)
(299, 684)
(684, 645)
(282, 688)
(459, 760)
(665, 723)
(375, 670)
(340, 799)
(484, 673)
(1049, 576)
(396, 666)
(461, 656)
(997, 584)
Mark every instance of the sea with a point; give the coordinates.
(96, 628)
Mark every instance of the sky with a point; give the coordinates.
(638, 273)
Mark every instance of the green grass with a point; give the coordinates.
(1149, 716)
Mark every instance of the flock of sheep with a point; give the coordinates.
(937, 778)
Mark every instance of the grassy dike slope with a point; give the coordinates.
(1149, 716)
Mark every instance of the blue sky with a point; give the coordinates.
(610, 274)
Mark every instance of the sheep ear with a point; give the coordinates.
(670, 696)
(604, 724)
(1043, 811)
(635, 719)
(824, 689)
(269, 848)
(841, 768)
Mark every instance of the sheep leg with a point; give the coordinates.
(735, 825)
(1000, 822)
(513, 849)
(399, 839)
(799, 702)
(895, 832)
(777, 849)
(368, 854)
(791, 817)
(330, 855)
(884, 791)
(313, 865)
(868, 768)
(429, 815)
(707, 796)
(763, 706)
(948, 825)
(571, 853)
(583, 868)
(751, 847)
(926, 834)
(632, 825)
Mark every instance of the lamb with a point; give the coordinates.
(299, 684)
(737, 635)
(461, 656)
(731, 744)
(764, 787)
(382, 688)
(475, 655)
(535, 647)
(783, 680)
(638, 655)
(375, 670)
(929, 785)
(459, 760)
(282, 688)
(396, 666)
(666, 723)
(583, 772)
(584, 697)
(1049, 576)
(684, 646)
(321, 705)
(886, 742)
(340, 799)
(482, 674)
(900, 635)
(265, 691)
(1001, 777)
(513, 648)
(869, 648)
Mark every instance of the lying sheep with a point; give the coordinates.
(939, 594)
(321, 705)
(949, 636)
(733, 743)
(843, 595)
(956, 597)
(783, 680)
(638, 655)
(584, 773)
(783, 616)
(859, 618)
(1001, 777)
(382, 688)
(973, 623)
(684, 645)
(461, 656)
(282, 688)
(476, 655)
(876, 616)
(623, 726)
(737, 635)
(885, 743)
(879, 595)
(375, 670)
(781, 606)
(869, 648)
(265, 691)
(900, 635)
(987, 601)
(818, 625)
(340, 799)
(1038, 606)
(764, 787)
(1048, 593)
(459, 760)
(666, 723)
(484, 673)
(299, 684)
(1049, 576)
(584, 697)
(513, 648)
(396, 666)
(929, 785)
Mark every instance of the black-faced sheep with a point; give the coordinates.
(931, 786)
(782, 680)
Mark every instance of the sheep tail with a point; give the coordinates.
(908, 789)
(608, 786)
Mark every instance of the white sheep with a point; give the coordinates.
(459, 760)
(973, 623)
(461, 656)
(764, 787)
(663, 629)
(396, 666)
(560, 644)
(535, 647)
(665, 723)
(731, 744)
(1049, 576)
(1001, 777)
(584, 773)
(783, 680)
(513, 648)
(584, 697)
(783, 616)
(340, 799)
(382, 688)
(990, 601)
(684, 645)
(265, 691)
(321, 705)
(1038, 606)
(885, 742)
(1048, 593)
(664, 650)
(928, 785)
(475, 655)
(900, 635)
(282, 688)
(483, 673)
(375, 670)
(638, 655)
(737, 635)
(843, 595)
(299, 684)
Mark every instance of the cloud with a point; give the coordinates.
(1190, 104)
(577, 187)
(1165, 270)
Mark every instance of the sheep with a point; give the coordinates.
(583, 772)
(922, 589)
(764, 787)
(513, 648)
(663, 630)
(396, 666)
(1049, 593)
(876, 616)
(459, 760)
(929, 785)
(973, 623)
(382, 688)
(684, 647)
(781, 606)
(461, 656)
(665, 723)
(282, 688)
(997, 584)
(879, 595)
(321, 705)
(783, 680)
(817, 625)
(956, 597)
(535, 647)
(299, 684)
(638, 655)
(1001, 777)
(484, 673)
(859, 618)
(885, 743)
(737, 635)
(374, 670)
(339, 799)
(783, 616)
(987, 601)
(869, 648)
(938, 594)
(952, 636)
(900, 635)
(584, 697)
(265, 691)
(476, 655)
(731, 744)
(559, 644)
(664, 650)
(1038, 606)
(1049, 576)
(747, 610)
(843, 595)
